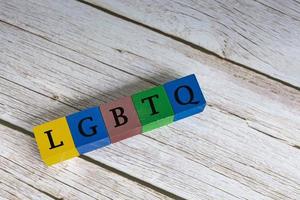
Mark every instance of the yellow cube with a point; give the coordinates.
(55, 141)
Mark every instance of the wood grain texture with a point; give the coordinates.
(13, 188)
(262, 35)
(24, 176)
(241, 147)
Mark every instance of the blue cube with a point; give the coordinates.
(88, 130)
(185, 96)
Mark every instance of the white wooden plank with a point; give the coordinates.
(263, 35)
(13, 188)
(209, 158)
(24, 176)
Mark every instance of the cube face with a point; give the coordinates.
(121, 119)
(153, 108)
(55, 141)
(88, 130)
(185, 96)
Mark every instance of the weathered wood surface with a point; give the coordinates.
(24, 176)
(60, 56)
(262, 35)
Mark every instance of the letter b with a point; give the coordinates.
(118, 113)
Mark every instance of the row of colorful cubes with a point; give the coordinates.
(99, 126)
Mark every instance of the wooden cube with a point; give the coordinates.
(97, 127)
(88, 130)
(121, 119)
(55, 141)
(185, 96)
(153, 108)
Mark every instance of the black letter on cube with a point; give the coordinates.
(154, 111)
(190, 101)
(52, 145)
(120, 115)
(93, 128)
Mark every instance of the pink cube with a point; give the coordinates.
(121, 119)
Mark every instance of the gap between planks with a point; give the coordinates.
(100, 164)
(190, 44)
(265, 40)
(24, 172)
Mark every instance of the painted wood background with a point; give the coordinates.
(57, 57)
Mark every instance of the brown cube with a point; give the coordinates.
(121, 119)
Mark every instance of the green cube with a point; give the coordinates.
(153, 108)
